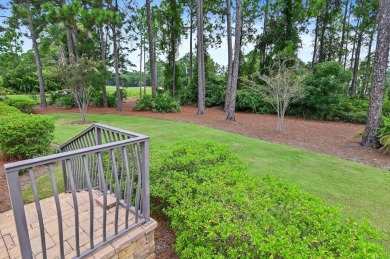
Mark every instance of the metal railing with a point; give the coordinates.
(113, 161)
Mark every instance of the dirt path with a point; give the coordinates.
(332, 138)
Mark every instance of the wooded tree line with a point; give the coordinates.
(64, 31)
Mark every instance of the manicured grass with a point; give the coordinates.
(131, 91)
(361, 190)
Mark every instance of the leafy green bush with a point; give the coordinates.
(5, 91)
(252, 102)
(24, 135)
(158, 103)
(215, 93)
(8, 110)
(25, 105)
(218, 210)
(66, 100)
(384, 134)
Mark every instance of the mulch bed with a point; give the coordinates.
(332, 138)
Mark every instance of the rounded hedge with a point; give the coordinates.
(218, 210)
(24, 136)
(25, 105)
(8, 110)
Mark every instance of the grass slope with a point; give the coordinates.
(361, 190)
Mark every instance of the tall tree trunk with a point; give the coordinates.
(69, 43)
(265, 26)
(352, 90)
(75, 40)
(237, 49)
(368, 66)
(343, 31)
(140, 69)
(230, 54)
(37, 60)
(313, 61)
(103, 59)
(191, 51)
(144, 76)
(200, 54)
(152, 57)
(174, 78)
(322, 54)
(346, 40)
(354, 45)
(116, 65)
(370, 137)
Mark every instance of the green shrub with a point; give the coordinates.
(25, 105)
(249, 101)
(218, 210)
(5, 91)
(215, 93)
(8, 110)
(66, 100)
(25, 136)
(158, 103)
(384, 134)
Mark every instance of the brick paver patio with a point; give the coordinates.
(9, 245)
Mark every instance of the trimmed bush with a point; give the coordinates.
(8, 110)
(158, 103)
(218, 210)
(25, 105)
(24, 136)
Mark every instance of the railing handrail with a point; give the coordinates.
(101, 126)
(122, 159)
(20, 165)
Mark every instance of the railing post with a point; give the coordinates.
(98, 135)
(145, 181)
(19, 213)
(64, 173)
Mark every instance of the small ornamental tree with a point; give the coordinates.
(282, 86)
(81, 77)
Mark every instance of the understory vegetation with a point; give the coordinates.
(158, 103)
(384, 134)
(218, 210)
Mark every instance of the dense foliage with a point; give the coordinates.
(158, 103)
(384, 134)
(24, 135)
(25, 105)
(218, 210)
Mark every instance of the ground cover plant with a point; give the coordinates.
(360, 190)
(217, 210)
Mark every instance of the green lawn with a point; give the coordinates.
(131, 91)
(360, 190)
